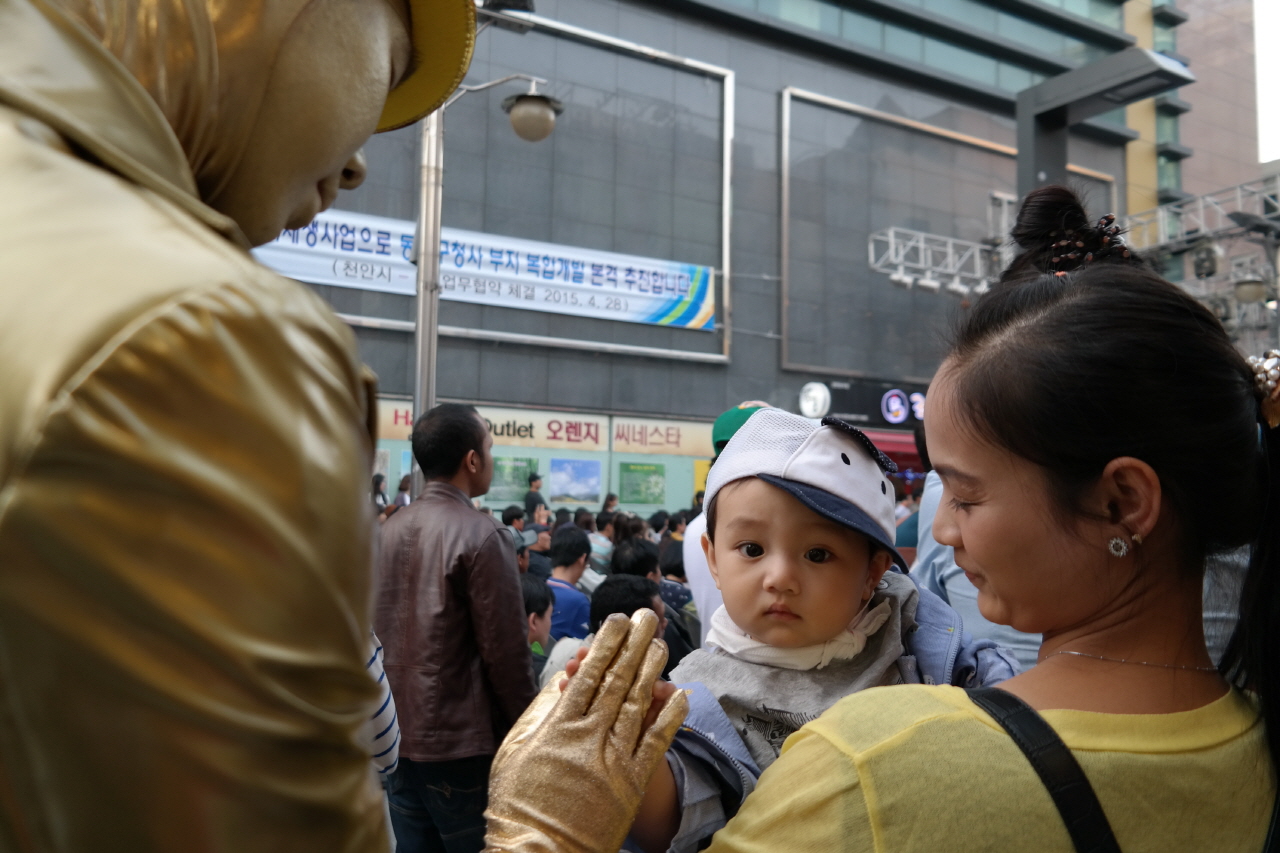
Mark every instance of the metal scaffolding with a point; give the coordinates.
(933, 262)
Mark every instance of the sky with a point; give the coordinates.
(1266, 33)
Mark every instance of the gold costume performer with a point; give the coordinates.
(185, 437)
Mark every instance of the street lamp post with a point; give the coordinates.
(1046, 111)
(533, 117)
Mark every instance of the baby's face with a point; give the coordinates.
(789, 577)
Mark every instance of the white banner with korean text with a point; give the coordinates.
(348, 249)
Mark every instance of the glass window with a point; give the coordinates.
(1166, 37)
(903, 42)
(1024, 32)
(966, 11)
(861, 29)
(1106, 12)
(810, 14)
(1011, 78)
(1168, 173)
(964, 63)
(1115, 116)
(1174, 268)
(1166, 127)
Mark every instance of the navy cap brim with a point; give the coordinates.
(838, 510)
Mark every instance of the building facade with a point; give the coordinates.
(765, 142)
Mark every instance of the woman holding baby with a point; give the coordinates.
(1093, 427)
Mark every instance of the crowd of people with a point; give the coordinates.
(787, 605)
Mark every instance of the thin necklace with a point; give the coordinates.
(1138, 662)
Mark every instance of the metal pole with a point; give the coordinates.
(431, 190)
(1042, 145)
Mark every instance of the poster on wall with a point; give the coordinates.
(510, 479)
(574, 481)
(642, 483)
(346, 249)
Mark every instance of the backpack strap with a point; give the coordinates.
(1057, 768)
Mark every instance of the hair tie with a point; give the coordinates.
(1266, 379)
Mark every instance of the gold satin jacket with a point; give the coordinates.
(184, 522)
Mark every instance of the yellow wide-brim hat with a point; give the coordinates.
(444, 35)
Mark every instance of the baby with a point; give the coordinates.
(800, 531)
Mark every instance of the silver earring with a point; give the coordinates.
(1118, 547)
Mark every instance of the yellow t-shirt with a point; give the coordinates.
(919, 768)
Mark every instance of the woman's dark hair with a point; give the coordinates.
(567, 545)
(378, 480)
(1051, 216)
(538, 595)
(623, 594)
(608, 499)
(444, 436)
(405, 482)
(1072, 371)
(635, 556)
(626, 526)
(583, 518)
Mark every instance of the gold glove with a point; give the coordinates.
(570, 775)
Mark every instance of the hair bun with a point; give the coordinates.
(1048, 213)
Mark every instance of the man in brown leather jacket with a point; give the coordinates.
(451, 617)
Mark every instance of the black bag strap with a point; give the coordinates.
(1055, 765)
(1273, 835)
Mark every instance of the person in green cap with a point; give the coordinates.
(706, 596)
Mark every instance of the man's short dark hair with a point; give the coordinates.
(623, 594)
(568, 544)
(538, 595)
(658, 520)
(533, 478)
(634, 556)
(443, 437)
(512, 514)
(603, 520)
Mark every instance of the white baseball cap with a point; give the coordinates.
(829, 466)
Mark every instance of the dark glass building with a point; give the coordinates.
(767, 140)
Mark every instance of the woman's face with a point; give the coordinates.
(1033, 570)
(323, 100)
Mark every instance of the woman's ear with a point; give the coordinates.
(710, 550)
(1131, 497)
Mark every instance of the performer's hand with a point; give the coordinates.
(570, 774)
(662, 690)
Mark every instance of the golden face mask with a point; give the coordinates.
(206, 62)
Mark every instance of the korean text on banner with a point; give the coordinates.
(347, 249)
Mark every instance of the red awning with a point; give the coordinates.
(892, 442)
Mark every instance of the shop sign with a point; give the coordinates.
(878, 403)
(395, 419)
(554, 430)
(672, 438)
(346, 249)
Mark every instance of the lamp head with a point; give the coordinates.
(533, 116)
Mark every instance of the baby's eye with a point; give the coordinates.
(817, 555)
(750, 549)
